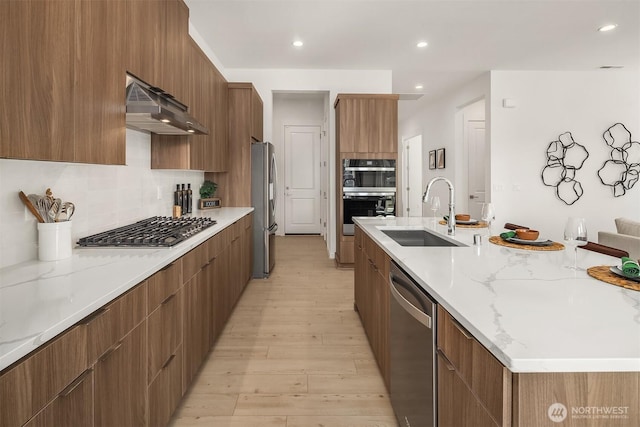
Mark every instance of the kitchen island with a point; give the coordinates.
(557, 332)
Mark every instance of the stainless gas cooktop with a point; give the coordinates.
(156, 231)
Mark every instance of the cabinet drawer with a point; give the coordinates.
(489, 380)
(164, 283)
(108, 325)
(457, 406)
(193, 261)
(72, 407)
(214, 245)
(27, 387)
(165, 332)
(165, 391)
(456, 343)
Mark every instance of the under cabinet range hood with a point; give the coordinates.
(151, 109)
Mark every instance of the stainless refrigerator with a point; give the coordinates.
(264, 180)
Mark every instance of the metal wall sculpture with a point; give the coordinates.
(564, 158)
(622, 170)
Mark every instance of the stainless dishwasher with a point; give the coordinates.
(412, 351)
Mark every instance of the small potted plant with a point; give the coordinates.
(207, 191)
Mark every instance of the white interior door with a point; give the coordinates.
(302, 180)
(475, 136)
(412, 177)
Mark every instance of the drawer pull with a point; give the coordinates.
(67, 391)
(166, 267)
(110, 352)
(95, 315)
(461, 328)
(168, 362)
(447, 362)
(167, 299)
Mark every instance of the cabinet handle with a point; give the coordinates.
(166, 267)
(168, 361)
(447, 362)
(167, 299)
(110, 352)
(95, 315)
(67, 391)
(461, 328)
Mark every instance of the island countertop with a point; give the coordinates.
(529, 308)
(39, 300)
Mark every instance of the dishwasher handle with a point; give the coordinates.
(414, 311)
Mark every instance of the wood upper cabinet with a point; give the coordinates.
(244, 109)
(367, 123)
(206, 96)
(37, 84)
(146, 39)
(176, 38)
(62, 87)
(100, 74)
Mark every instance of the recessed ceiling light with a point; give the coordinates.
(608, 27)
(419, 86)
(422, 44)
(298, 43)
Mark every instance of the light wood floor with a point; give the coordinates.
(293, 354)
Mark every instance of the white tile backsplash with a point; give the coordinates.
(105, 196)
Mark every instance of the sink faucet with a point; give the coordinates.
(451, 221)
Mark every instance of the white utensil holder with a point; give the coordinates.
(54, 240)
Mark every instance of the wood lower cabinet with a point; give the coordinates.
(30, 385)
(488, 381)
(165, 392)
(457, 406)
(71, 408)
(121, 382)
(371, 295)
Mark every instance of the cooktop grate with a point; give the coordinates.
(156, 231)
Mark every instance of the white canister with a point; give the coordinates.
(54, 240)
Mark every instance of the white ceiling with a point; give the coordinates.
(466, 38)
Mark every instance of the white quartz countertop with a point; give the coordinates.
(39, 300)
(529, 308)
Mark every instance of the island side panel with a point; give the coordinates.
(576, 399)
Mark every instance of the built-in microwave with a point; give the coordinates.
(381, 204)
(367, 175)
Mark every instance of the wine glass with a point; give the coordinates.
(434, 205)
(488, 214)
(575, 234)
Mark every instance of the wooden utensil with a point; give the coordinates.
(30, 206)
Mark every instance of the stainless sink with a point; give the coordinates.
(418, 238)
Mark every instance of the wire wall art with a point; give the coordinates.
(622, 170)
(564, 158)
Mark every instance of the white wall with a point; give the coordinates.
(105, 196)
(297, 109)
(548, 104)
(438, 123)
(268, 81)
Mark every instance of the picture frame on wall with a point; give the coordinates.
(432, 159)
(440, 158)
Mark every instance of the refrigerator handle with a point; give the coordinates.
(273, 228)
(275, 180)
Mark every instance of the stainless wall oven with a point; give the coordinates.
(368, 189)
(368, 175)
(372, 204)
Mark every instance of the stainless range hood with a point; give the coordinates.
(151, 109)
